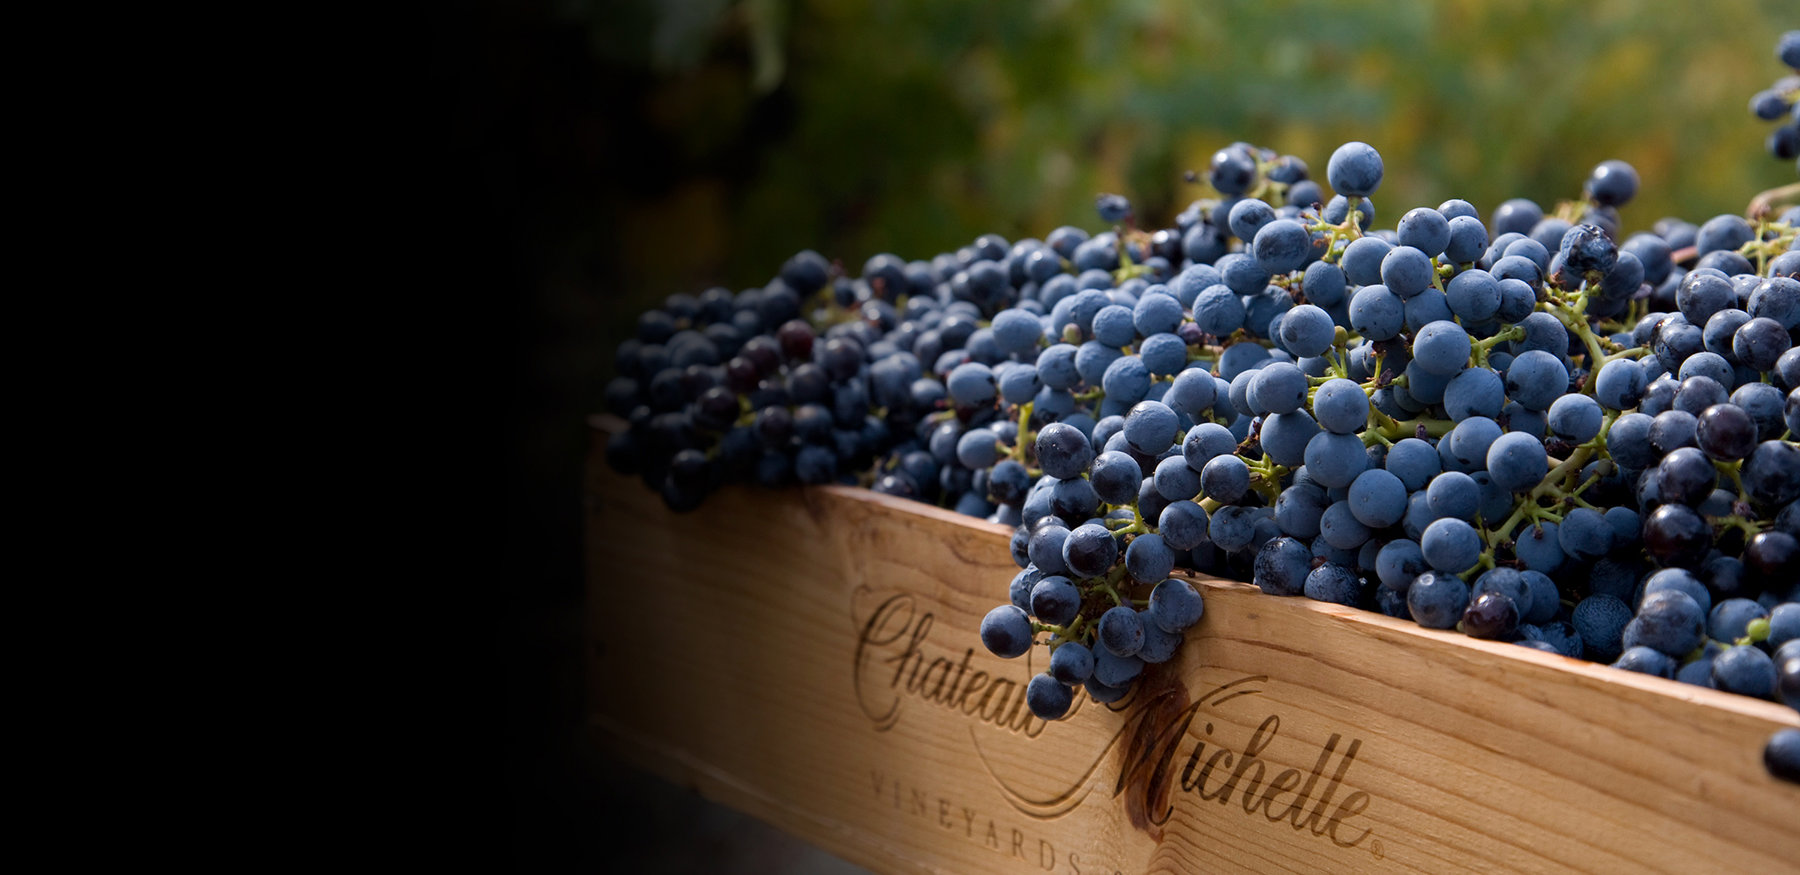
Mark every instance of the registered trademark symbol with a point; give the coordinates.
(1376, 849)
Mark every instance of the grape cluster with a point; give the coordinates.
(1532, 428)
(1780, 102)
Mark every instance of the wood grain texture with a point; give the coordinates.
(810, 656)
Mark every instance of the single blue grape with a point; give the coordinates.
(1333, 583)
(1517, 298)
(1092, 359)
(1341, 406)
(1280, 245)
(1515, 267)
(1278, 388)
(1728, 618)
(1679, 580)
(1218, 311)
(1017, 331)
(1406, 271)
(1441, 348)
(1116, 477)
(1474, 295)
(1646, 660)
(1241, 357)
(1307, 331)
(1517, 215)
(1414, 461)
(1183, 524)
(1745, 670)
(1113, 326)
(1335, 460)
(1282, 565)
(1285, 435)
(1055, 600)
(1600, 621)
(1354, 170)
(1192, 393)
(1340, 529)
(1156, 313)
(1437, 599)
(1425, 229)
(1723, 233)
(1006, 631)
(1584, 535)
(1063, 451)
(1224, 479)
(1048, 698)
(1517, 461)
(1398, 562)
(1536, 379)
(1467, 446)
(1299, 508)
(1467, 239)
(1784, 624)
(978, 448)
(1539, 547)
(1151, 427)
(1174, 480)
(1090, 550)
(1361, 261)
(1377, 313)
(1324, 284)
(1620, 385)
(1175, 606)
(1454, 494)
(1045, 547)
(1377, 498)
(1575, 418)
(1425, 308)
(1071, 662)
(1159, 646)
(1126, 380)
(1148, 559)
(1474, 392)
(1204, 441)
(971, 384)
(1450, 545)
(1121, 631)
(1232, 528)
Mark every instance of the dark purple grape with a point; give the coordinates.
(1685, 476)
(1771, 474)
(1774, 556)
(1782, 754)
(1725, 432)
(1490, 615)
(1677, 536)
(1090, 550)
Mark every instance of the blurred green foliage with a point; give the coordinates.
(912, 126)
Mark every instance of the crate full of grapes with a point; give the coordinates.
(1272, 540)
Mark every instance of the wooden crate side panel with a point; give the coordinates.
(810, 656)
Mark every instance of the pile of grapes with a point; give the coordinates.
(1535, 428)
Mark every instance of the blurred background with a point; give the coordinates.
(613, 152)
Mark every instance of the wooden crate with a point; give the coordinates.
(810, 656)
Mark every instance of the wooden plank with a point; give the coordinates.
(810, 656)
